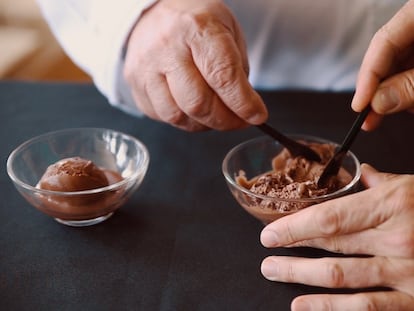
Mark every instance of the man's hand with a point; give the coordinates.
(386, 77)
(186, 64)
(378, 221)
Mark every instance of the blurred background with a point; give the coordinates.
(28, 50)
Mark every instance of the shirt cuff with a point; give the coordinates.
(113, 31)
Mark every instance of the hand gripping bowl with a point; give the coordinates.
(124, 155)
(254, 157)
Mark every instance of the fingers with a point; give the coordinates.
(384, 301)
(327, 272)
(164, 106)
(349, 217)
(377, 64)
(332, 272)
(372, 241)
(395, 94)
(372, 121)
(377, 221)
(198, 101)
(354, 243)
(157, 103)
(371, 177)
(187, 65)
(344, 215)
(220, 62)
(381, 60)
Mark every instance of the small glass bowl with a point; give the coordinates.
(254, 157)
(106, 148)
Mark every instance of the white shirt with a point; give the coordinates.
(306, 44)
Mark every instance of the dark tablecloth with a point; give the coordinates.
(181, 242)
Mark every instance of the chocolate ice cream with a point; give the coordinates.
(294, 178)
(73, 174)
(78, 174)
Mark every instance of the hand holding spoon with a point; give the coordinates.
(295, 148)
(335, 162)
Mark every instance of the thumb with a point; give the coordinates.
(370, 177)
(395, 94)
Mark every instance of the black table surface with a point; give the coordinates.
(181, 242)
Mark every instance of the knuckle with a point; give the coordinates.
(197, 107)
(408, 85)
(205, 21)
(222, 75)
(367, 303)
(328, 222)
(175, 117)
(290, 274)
(402, 193)
(406, 243)
(379, 271)
(327, 305)
(335, 275)
(291, 237)
(201, 21)
(385, 34)
(335, 245)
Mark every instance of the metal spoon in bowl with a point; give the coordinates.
(295, 148)
(334, 164)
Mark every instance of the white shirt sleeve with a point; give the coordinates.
(308, 44)
(93, 33)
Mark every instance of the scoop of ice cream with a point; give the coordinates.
(73, 174)
(294, 178)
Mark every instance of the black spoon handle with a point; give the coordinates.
(334, 164)
(353, 132)
(295, 148)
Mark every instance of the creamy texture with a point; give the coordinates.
(78, 174)
(294, 178)
(73, 174)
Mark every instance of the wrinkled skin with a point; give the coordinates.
(186, 64)
(378, 221)
(386, 76)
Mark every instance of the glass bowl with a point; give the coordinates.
(110, 150)
(254, 157)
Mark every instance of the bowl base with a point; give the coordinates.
(84, 223)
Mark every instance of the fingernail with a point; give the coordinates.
(269, 269)
(300, 305)
(258, 118)
(269, 238)
(385, 100)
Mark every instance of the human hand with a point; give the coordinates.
(186, 64)
(378, 221)
(386, 77)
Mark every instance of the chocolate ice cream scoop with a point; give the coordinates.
(73, 174)
(294, 178)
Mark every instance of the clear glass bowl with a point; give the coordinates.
(107, 148)
(254, 157)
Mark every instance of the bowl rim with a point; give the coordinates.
(324, 197)
(141, 170)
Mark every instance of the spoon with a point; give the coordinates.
(295, 148)
(332, 168)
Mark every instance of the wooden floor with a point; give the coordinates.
(28, 49)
